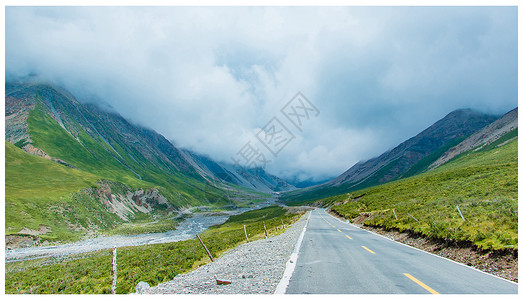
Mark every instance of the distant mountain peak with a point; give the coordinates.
(407, 158)
(481, 138)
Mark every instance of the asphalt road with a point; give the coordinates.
(340, 258)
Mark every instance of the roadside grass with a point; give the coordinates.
(90, 273)
(483, 183)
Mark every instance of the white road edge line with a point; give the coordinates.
(349, 223)
(291, 263)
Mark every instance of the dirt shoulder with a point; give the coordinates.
(502, 263)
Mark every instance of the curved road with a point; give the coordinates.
(340, 258)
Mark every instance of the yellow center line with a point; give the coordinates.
(368, 249)
(348, 237)
(333, 226)
(325, 220)
(428, 288)
(339, 230)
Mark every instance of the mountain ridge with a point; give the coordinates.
(395, 163)
(481, 138)
(48, 122)
(169, 156)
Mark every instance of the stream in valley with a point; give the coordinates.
(187, 229)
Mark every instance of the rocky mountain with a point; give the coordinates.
(129, 169)
(256, 179)
(484, 137)
(396, 162)
(408, 158)
(128, 146)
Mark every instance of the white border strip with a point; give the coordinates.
(382, 236)
(291, 263)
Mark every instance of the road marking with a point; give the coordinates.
(368, 249)
(325, 220)
(291, 263)
(423, 251)
(339, 230)
(428, 288)
(348, 237)
(333, 226)
(346, 222)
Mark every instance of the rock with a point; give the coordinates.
(142, 287)
(222, 282)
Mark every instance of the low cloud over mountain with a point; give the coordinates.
(211, 78)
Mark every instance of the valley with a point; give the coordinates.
(284, 149)
(80, 171)
(81, 179)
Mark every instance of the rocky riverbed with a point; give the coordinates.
(187, 229)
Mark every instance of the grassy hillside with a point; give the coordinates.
(98, 158)
(40, 192)
(483, 183)
(91, 273)
(32, 200)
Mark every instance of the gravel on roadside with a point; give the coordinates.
(252, 268)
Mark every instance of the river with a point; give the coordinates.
(187, 229)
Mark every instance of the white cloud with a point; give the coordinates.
(207, 78)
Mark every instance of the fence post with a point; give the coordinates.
(282, 223)
(113, 286)
(460, 213)
(206, 250)
(394, 214)
(413, 217)
(245, 230)
(265, 229)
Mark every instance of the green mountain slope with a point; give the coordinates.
(50, 202)
(483, 183)
(93, 154)
(92, 169)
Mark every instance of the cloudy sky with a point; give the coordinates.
(210, 78)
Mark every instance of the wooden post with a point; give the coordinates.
(413, 217)
(206, 250)
(394, 214)
(282, 223)
(460, 213)
(113, 287)
(245, 230)
(265, 229)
